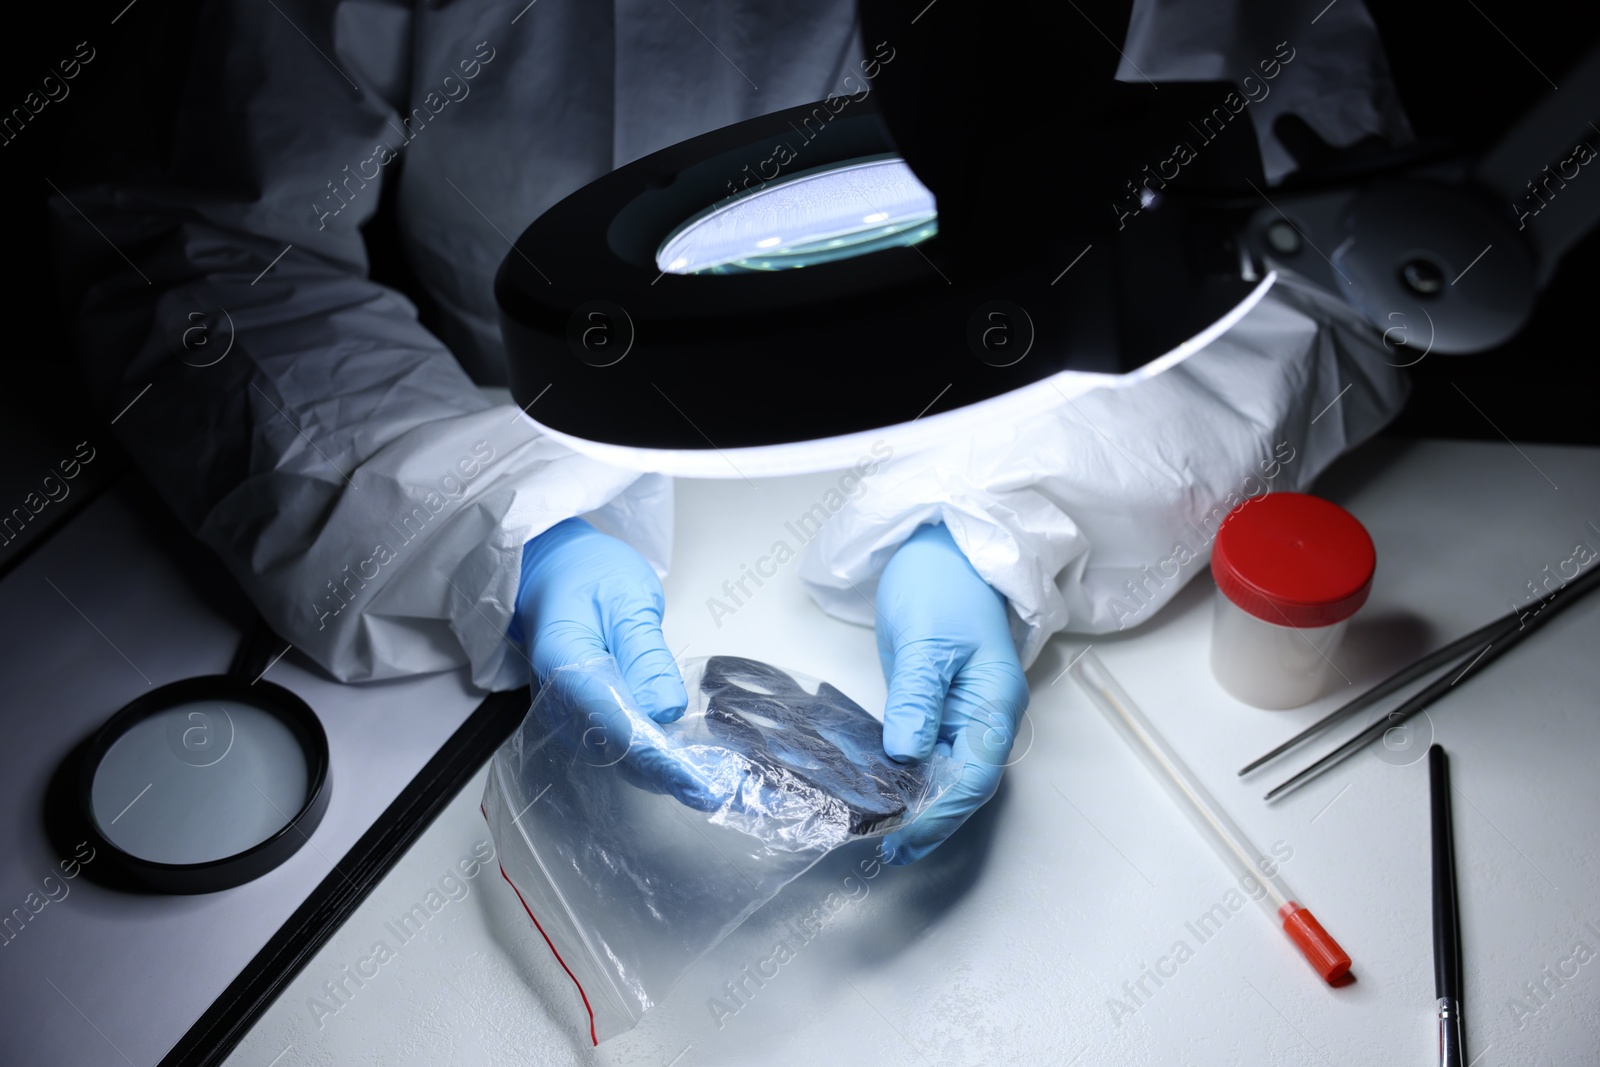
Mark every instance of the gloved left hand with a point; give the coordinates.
(585, 595)
(955, 683)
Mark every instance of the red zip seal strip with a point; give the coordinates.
(592, 1037)
(557, 955)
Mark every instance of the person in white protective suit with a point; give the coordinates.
(388, 517)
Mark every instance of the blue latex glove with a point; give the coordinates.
(955, 684)
(585, 595)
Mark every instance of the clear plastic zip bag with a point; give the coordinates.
(636, 846)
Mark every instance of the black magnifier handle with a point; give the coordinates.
(257, 650)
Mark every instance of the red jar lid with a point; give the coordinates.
(1294, 560)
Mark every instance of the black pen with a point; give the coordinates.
(1446, 923)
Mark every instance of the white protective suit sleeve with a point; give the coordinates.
(1090, 517)
(369, 499)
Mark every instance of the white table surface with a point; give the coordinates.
(1010, 944)
(118, 603)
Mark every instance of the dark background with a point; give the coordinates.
(1458, 77)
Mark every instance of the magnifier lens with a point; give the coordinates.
(830, 214)
(199, 782)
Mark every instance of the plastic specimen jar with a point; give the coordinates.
(1290, 570)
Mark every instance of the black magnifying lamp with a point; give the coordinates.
(991, 226)
(939, 250)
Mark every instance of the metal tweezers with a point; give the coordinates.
(1483, 645)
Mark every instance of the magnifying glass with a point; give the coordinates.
(208, 782)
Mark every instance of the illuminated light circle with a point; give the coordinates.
(827, 214)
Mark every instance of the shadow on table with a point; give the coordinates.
(1360, 467)
(1376, 646)
(903, 903)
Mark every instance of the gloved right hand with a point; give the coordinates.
(955, 685)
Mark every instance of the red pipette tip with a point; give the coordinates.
(1324, 953)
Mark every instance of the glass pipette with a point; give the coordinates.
(1244, 859)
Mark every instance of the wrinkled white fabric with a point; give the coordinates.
(1092, 517)
(1321, 61)
(325, 457)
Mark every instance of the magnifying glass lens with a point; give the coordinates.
(199, 782)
